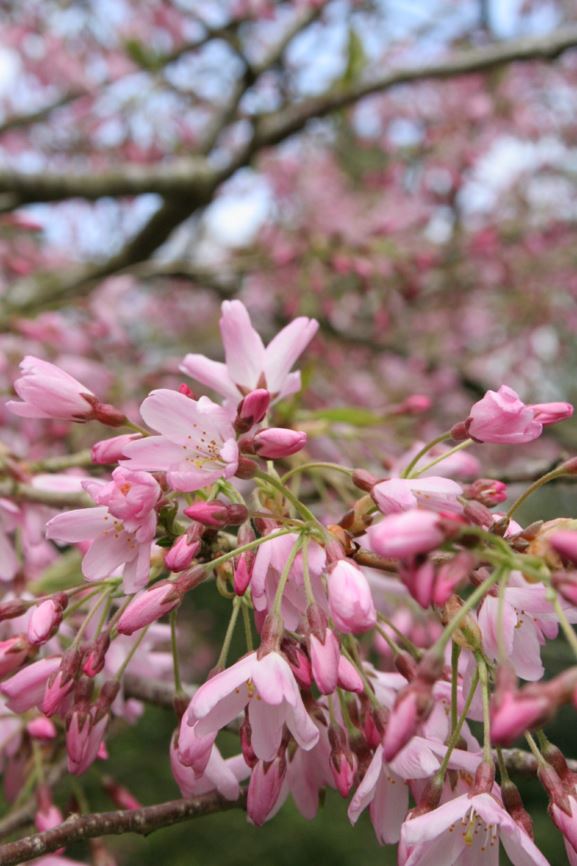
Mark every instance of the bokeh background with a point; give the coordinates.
(159, 156)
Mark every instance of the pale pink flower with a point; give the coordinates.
(325, 656)
(501, 417)
(121, 529)
(350, 598)
(406, 534)
(268, 687)
(84, 736)
(197, 442)
(49, 392)
(401, 494)
(468, 826)
(248, 364)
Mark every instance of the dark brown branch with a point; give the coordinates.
(155, 692)
(16, 121)
(142, 821)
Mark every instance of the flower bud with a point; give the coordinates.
(96, 656)
(42, 728)
(277, 442)
(487, 491)
(251, 410)
(342, 761)
(45, 620)
(350, 599)
(147, 607)
(217, 514)
(181, 554)
(25, 689)
(264, 789)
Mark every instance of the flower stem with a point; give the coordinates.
(441, 457)
(285, 576)
(306, 467)
(455, 653)
(221, 663)
(406, 473)
(469, 604)
(247, 628)
(174, 647)
(299, 506)
(484, 680)
(456, 732)
(549, 476)
(566, 626)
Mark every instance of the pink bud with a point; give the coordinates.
(251, 410)
(350, 599)
(402, 724)
(349, 677)
(109, 451)
(487, 491)
(181, 554)
(419, 578)
(147, 607)
(216, 514)
(242, 574)
(26, 688)
(44, 621)
(277, 442)
(57, 689)
(298, 661)
(49, 392)
(120, 796)
(565, 583)
(13, 653)
(83, 740)
(325, 657)
(264, 789)
(406, 534)
(552, 413)
(342, 761)
(41, 728)
(47, 819)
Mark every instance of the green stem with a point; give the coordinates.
(306, 467)
(394, 647)
(299, 506)
(549, 476)
(406, 473)
(174, 647)
(456, 733)
(285, 576)
(306, 573)
(566, 626)
(502, 765)
(129, 657)
(484, 679)
(354, 659)
(455, 653)
(441, 457)
(221, 663)
(249, 546)
(247, 628)
(476, 596)
(535, 749)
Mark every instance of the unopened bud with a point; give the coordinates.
(251, 410)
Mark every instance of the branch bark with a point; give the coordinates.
(142, 821)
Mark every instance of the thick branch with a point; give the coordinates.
(142, 821)
(16, 121)
(279, 126)
(55, 498)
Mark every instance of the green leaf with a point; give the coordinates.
(347, 415)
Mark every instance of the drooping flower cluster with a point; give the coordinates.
(371, 639)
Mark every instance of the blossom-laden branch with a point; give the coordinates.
(142, 821)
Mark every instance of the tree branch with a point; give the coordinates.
(142, 821)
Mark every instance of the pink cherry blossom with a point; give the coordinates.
(49, 392)
(472, 825)
(268, 687)
(401, 494)
(248, 364)
(121, 529)
(501, 417)
(197, 442)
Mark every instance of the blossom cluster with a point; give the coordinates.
(372, 638)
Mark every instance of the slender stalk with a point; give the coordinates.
(119, 673)
(221, 663)
(306, 467)
(566, 626)
(441, 457)
(456, 733)
(535, 749)
(306, 573)
(285, 576)
(174, 648)
(406, 473)
(484, 680)
(299, 506)
(247, 628)
(455, 653)
(549, 476)
(476, 596)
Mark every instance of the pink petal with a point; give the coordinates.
(283, 350)
(221, 686)
(267, 724)
(427, 827)
(170, 413)
(243, 347)
(81, 524)
(155, 454)
(105, 555)
(388, 808)
(213, 374)
(365, 792)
